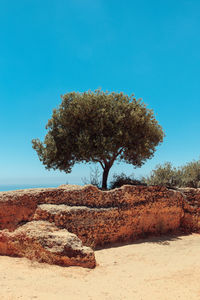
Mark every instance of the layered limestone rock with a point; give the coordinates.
(139, 211)
(44, 242)
(96, 217)
(16, 207)
(191, 207)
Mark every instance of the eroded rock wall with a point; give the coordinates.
(122, 214)
(96, 217)
(191, 207)
(15, 208)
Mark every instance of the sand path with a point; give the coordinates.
(167, 268)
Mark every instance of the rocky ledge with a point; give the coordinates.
(43, 241)
(59, 225)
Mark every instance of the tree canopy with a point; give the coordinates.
(99, 127)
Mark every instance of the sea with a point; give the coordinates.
(13, 187)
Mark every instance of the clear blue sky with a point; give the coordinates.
(51, 47)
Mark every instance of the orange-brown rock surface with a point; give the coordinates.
(96, 217)
(135, 211)
(191, 207)
(43, 241)
(15, 208)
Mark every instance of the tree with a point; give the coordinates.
(99, 127)
(165, 175)
(191, 174)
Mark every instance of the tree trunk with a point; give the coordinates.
(105, 177)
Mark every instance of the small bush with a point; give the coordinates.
(191, 174)
(165, 175)
(122, 179)
(169, 176)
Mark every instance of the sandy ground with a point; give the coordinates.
(167, 268)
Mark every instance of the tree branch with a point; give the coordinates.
(115, 156)
(101, 164)
(120, 151)
(96, 160)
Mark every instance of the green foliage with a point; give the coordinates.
(101, 128)
(191, 174)
(184, 176)
(165, 175)
(122, 179)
